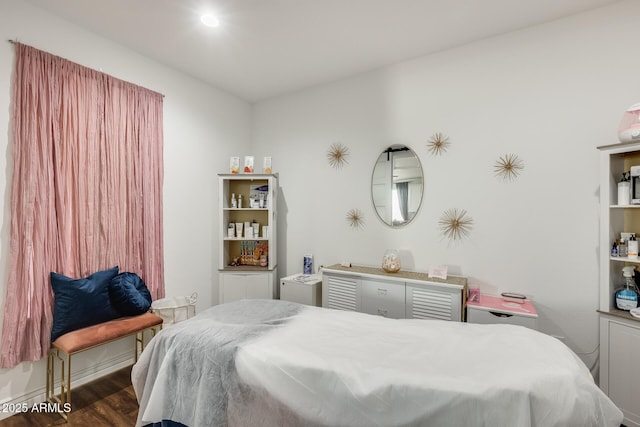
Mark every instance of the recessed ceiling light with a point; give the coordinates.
(209, 20)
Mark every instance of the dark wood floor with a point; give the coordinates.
(107, 401)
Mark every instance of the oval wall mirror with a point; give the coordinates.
(397, 185)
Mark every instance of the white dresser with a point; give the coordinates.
(406, 294)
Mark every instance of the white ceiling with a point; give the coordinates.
(264, 48)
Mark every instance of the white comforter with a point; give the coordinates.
(320, 367)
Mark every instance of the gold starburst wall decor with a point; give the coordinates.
(455, 224)
(337, 155)
(508, 167)
(355, 218)
(438, 143)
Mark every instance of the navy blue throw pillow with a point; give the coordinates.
(129, 294)
(79, 303)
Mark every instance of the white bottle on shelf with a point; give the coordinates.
(624, 191)
(632, 247)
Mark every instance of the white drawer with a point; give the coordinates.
(383, 298)
(475, 315)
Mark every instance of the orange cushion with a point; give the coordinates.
(90, 336)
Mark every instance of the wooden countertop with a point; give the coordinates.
(619, 313)
(402, 274)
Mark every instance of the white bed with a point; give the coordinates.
(276, 363)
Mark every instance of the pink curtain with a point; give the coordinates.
(86, 191)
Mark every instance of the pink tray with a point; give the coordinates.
(497, 303)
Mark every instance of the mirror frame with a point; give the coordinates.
(386, 151)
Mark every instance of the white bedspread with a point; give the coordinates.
(321, 367)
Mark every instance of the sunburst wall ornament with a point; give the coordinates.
(438, 143)
(355, 218)
(455, 224)
(337, 155)
(508, 167)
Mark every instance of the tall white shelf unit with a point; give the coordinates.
(246, 281)
(619, 331)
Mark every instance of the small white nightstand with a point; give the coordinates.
(302, 288)
(494, 309)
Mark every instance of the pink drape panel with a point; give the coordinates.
(86, 190)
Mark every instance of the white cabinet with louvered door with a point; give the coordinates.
(341, 292)
(406, 294)
(432, 301)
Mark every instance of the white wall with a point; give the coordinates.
(202, 128)
(549, 94)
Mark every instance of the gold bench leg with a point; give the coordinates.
(68, 383)
(140, 341)
(62, 401)
(139, 346)
(49, 391)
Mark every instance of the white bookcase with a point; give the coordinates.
(619, 331)
(242, 272)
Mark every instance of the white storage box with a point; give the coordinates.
(302, 288)
(175, 309)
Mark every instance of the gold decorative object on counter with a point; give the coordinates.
(391, 261)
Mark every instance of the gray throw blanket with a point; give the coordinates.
(195, 358)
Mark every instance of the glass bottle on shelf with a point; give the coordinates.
(622, 248)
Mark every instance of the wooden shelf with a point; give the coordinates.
(620, 313)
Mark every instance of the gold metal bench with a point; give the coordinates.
(83, 339)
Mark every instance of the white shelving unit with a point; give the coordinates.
(619, 331)
(248, 278)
